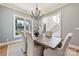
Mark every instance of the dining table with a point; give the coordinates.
(51, 42)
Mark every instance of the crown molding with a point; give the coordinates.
(60, 6)
(8, 5)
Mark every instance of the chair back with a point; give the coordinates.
(30, 44)
(24, 40)
(66, 42)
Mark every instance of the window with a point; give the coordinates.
(57, 24)
(53, 23)
(28, 25)
(21, 24)
(56, 19)
(44, 24)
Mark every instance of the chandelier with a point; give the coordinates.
(35, 14)
(37, 21)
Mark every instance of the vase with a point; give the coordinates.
(36, 34)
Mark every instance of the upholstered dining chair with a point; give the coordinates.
(24, 50)
(59, 51)
(33, 49)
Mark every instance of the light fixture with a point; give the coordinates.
(37, 21)
(35, 14)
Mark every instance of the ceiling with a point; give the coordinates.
(43, 7)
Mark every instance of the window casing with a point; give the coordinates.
(21, 24)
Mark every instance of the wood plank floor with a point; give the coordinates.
(3, 50)
(14, 49)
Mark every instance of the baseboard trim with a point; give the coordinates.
(10, 42)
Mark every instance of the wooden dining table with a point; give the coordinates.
(51, 42)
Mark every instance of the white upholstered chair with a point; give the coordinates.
(59, 51)
(32, 49)
(24, 50)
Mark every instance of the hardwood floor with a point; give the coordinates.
(3, 50)
(73, 50)
(15, 50)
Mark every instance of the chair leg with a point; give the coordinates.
(24, 52)
(42, 51)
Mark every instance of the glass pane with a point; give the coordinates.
(19, 25)
(57, 27)
(44, 27)
(44, 23)
(28, 25)
(56, 19)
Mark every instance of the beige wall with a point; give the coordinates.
(70, 21)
